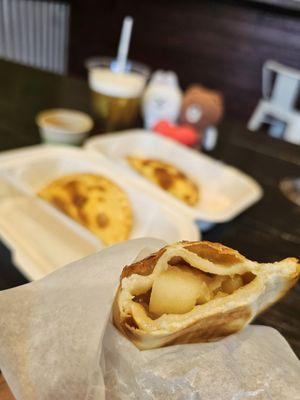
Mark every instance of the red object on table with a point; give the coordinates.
(184, 134)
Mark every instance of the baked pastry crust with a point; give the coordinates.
(168, 177)
(211, 321)
(95, 202)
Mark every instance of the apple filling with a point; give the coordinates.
(179, 288)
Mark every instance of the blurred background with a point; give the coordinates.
(222, 44)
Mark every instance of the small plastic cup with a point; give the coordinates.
(63, 126)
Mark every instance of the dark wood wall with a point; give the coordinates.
(221, 44)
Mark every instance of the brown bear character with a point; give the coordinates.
(201, 108)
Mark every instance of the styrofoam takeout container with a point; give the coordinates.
(41, 237)
(225, 191)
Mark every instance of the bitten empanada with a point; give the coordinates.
(191, 292)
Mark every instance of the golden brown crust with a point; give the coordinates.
(215, 252)
(116, 313)
(95, 202)
(215, 327)
(143, 267)
(213, 322)
(207, 329)
(168, 177)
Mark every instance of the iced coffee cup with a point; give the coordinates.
(116, 95)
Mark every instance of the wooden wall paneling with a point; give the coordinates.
(221, 44)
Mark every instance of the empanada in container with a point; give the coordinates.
(168, 177)
(191, 292)
(95, 202)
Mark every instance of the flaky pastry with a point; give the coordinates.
(191, 292)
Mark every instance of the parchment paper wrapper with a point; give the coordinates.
(57, 342)
(256, 363)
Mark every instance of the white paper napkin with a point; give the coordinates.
(56, 342)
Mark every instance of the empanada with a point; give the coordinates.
(95, 202)
(168, 177)
(196, 292)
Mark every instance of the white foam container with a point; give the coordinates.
(41, 237)
(225, 191)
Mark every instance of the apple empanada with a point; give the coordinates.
(95, 202)
(196, 292)
(168, 177)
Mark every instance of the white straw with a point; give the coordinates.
(124, 44)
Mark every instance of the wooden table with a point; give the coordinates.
(5, 393)
(268, 231)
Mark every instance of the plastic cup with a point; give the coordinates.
(64, 126)
(116, 96)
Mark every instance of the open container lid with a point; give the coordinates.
(225, 191)
(41, 237)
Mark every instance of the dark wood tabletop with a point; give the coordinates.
(5, 393)
(268, 231)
